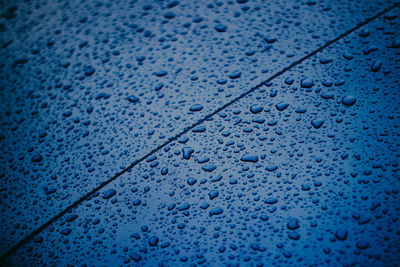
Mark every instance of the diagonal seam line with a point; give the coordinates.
(186, 130)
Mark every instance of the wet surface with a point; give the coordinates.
(91, 87)
(302, 171)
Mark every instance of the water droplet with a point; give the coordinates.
(108, 194)
(317, 123)
(349, 100)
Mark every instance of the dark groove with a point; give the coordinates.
(186, 130)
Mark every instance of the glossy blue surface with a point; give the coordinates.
(303, 171)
